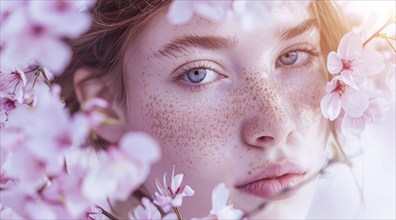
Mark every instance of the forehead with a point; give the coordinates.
(160, 31)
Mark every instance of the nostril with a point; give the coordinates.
(265, 139)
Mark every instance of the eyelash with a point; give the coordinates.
(207, 65)
(312, 53)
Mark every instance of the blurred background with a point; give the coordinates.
(373, 174)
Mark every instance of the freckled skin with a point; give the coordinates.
(257, 114)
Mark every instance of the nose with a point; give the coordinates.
(269, 124)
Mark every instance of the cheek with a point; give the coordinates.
(304, 91)
(190, 130)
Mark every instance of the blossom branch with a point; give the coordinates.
(390, 44)
(107, 214)
(178, 214)
(377, 33)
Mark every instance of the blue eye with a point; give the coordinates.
(289, 58)
(196, 75)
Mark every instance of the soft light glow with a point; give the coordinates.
(370, 14)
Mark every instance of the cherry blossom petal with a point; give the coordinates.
(253, 14)
(11, 84)
(8, 213)
(169, 216)
(40, 210)
(330, 86)
(96, 214)
(353, 126)
(371, 62)
(62, 17)
(331, 106)
(353, 79)
(54, 55)
(172, 196)
(219, 198)
(350, 46)
(229, 212)
(188, 191)
(390, 79)
(145, 211)
(140, 146)
(213, 10)
(176, 182)
(177, 201)
(180, 12)
(376, 109)
(334, 63)
(354, 102)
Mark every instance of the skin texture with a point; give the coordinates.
(254, 112)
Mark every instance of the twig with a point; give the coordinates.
(177, 211)
(107, 214)
(390, 44)
(45, 76)
(376, 34)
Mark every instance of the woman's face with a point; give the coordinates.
(232, 106)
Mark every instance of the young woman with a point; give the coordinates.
(225, 104)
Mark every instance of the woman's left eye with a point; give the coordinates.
(296, 58)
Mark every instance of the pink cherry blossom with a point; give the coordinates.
(46, 143)
(29, 172)
(251, 14)
(356, 125)
(64, 17)
(182, 11)
(121, 168)
(145, 211)
(34, 32)
(172, 196)
(26, 40)
(8, 213)
(28, 206)
(148, 211)
(221, 209)
(341, 96)
(94, 109)
(95, 214)
(254, 14)
(11, 85)
(65, 189)
(353, 62)
(6, 106)
(390, 78)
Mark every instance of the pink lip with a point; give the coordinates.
(275, 178)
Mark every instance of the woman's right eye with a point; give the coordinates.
(196, 75)
(199, 74)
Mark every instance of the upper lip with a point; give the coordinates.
(274, 170)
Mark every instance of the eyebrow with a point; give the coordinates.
(183, 44)
(288, 33)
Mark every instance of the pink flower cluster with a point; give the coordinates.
(33, 31)
(171, 196)
(250, 14)
(48, 171)
(350, 98)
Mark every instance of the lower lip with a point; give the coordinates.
(267, 188)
